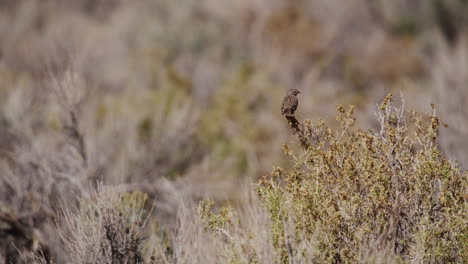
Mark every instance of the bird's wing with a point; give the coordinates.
(295, 103)
(284, 105)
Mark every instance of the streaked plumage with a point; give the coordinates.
(290, 103)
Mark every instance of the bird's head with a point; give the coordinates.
(293, 92)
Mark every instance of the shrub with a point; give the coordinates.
(365, 196)
(107, 228)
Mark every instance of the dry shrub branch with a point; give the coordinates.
(357, 196)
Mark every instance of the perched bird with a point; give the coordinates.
(290, 103)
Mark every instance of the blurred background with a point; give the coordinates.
(183, 96)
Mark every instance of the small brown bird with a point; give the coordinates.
(290, 103)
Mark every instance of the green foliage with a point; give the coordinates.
(406, 26)
(230, 127)
(215, 221)
(240, 245)
(230, 103)
(132, 205)
(362, 194)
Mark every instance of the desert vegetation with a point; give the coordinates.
(151, 131)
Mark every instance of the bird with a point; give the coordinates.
(290, 103)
